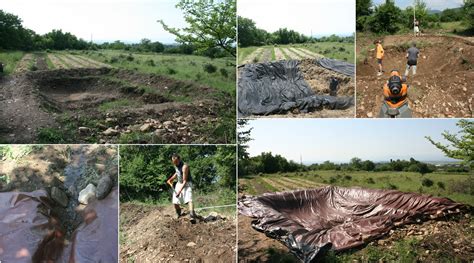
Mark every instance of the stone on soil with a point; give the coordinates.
(59, 196)
(86, 194)
(103, 187)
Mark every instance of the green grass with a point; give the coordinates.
(287, 57)
(334, 50)
(117, 104)
(244, 52)
(273, 54)
(180, 67)
(403, 181)
(10, 59)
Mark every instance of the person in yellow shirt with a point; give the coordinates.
(380, 54)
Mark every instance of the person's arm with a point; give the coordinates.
(185, 178)
(171, 179)
(406, 55)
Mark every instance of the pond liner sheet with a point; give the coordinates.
(342, 67)
(30, 233)
(310, 222)
(278, 87)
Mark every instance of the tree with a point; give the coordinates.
(468, 9)
(356, 163)
(368, 165)
(461, 145)
(211, 24)
(386, 18)
(363, 11)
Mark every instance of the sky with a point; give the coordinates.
(431, 4)
(105, 20)
(321, 17)
(339, 140)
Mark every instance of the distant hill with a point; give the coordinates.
(434, 11)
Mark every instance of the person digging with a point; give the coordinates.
(412, 59)
(183, 193)
(379, 54)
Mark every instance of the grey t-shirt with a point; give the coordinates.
(412, 55)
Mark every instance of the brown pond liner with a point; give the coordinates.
(310, 222)
(29, 233)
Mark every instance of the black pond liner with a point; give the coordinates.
(310, 222)
(278, 87)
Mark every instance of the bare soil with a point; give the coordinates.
(442, 86)
(153, 234)
(54, 99)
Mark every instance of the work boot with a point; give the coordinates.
(178, 213)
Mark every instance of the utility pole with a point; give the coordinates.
(301, 160)
(414, 16)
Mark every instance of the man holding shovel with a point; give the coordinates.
(182, 193)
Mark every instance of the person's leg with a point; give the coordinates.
(414, 70)
(177, 208)
(191, 209)
(407, 70)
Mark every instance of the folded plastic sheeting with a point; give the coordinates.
(96, 239)
(29, 233)
(277, 87)
(337, 65)
(309, 222)
(25, 225)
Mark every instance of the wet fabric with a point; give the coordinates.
(342, 67)
(309, 222)
(25, 223)
(96, 239)
(278, 87)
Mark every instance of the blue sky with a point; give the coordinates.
(431, 4)
(106, 20)
(339, 140)
(321, 17)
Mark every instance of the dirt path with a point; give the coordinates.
(291, 54)
(41, 63)
(153, 235)
(21, 115)
(24, 64)
(252, 56)
(266, 56)
(278, 54)
(310, 53)
(441, 87)
(57, 62)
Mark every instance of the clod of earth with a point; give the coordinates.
(310, 222)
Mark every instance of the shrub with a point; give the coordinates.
(441, 185)
(426, 182)
(370, 180)
(114, 60)
(33, 67)
(332, 180)
(210, 68)
(224, 72)
(171, 71)
(130, 57)
(347, 177)
(392, 186)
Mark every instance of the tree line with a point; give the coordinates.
(250, 35)
(145, 169)
(388, 18)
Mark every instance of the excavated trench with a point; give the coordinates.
(442, 86)
(42, 219)
(102, 105)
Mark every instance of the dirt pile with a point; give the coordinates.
(153, 234)
(442, 86)
(103, 105)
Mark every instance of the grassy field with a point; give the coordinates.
(334, 50)
(216, 73)
(10, 59)
(444, 184)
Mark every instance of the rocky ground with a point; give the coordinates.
(109, 106)
(153, 234)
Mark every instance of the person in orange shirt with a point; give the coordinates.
(380, 53)
(395, 92)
